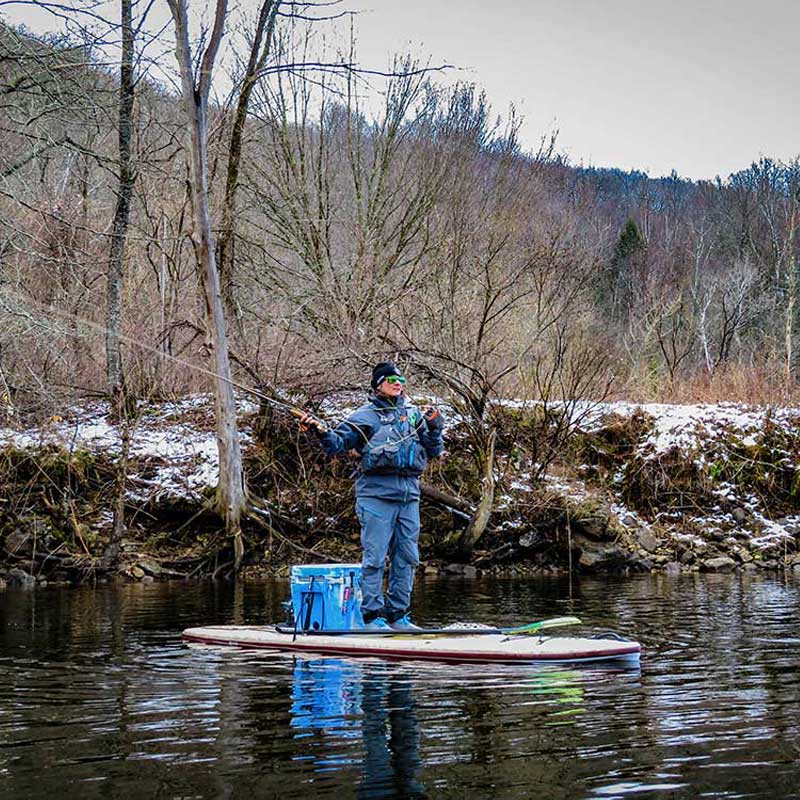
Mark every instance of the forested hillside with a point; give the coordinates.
(427, 231)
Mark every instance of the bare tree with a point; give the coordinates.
(116, 272)
(791, 290)
(675, 333)
(231, 497)
(728, 302)
(565, 378)
(122, 210)
(260, 48)
(347, 200)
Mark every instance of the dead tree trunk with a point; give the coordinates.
(231, 493)
(447, 500)
(791, 295)
(122, 212)
(480, 519)
(116, 274)
(465, 541)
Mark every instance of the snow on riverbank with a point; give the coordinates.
(685, 426)
(174, 449)
(182, 433)
(175, 441)
(698, 430)
(707, 436)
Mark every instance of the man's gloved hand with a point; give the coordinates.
(433, 418)
(308, 420)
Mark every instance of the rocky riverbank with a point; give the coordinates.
(635, 488)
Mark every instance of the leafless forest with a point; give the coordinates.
(425, 230)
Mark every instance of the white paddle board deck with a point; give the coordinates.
(493, 647)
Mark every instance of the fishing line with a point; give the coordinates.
(100, 328)
(294, 411)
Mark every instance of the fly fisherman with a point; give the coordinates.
(394, 440)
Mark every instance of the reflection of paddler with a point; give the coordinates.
(345, 699)
(391, 738)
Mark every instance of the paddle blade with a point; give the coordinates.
(553, 622)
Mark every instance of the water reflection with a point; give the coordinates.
(97, 693)
(344, 699)
(326, 693)
(391, 737)
(335, 699)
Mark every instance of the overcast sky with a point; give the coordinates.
(703, 87)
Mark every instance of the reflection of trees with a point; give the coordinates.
(515, 723)
(480, 715)
(713, 713)
(97, 693)
(90, 686)
(765, 604)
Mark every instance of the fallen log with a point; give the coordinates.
(443, 499)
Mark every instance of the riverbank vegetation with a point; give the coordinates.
(342, 231)
(636, 488)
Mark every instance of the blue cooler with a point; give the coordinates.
(326, 597)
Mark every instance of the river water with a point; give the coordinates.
(99, 698)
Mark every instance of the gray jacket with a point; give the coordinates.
(394, 441)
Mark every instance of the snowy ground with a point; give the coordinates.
(695, 430)
(176, 442)
(686, 425)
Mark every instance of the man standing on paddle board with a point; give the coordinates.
(394, 441)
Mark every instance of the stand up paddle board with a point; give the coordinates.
(448, 644)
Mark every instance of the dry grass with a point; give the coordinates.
(761, 385)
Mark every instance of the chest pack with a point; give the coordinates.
(394, 447)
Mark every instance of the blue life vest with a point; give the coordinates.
(394, 447)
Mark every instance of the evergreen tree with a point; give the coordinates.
(621, 273)
(630, 243)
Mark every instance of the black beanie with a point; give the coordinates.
(382, 371)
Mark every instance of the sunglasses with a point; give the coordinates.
(396, 379)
